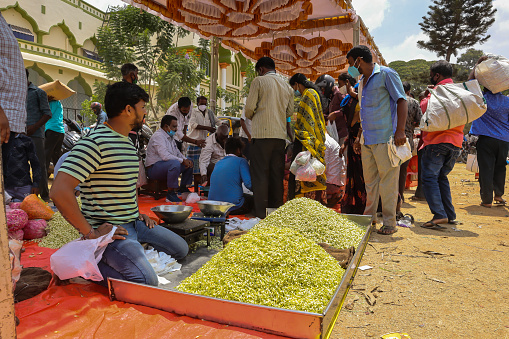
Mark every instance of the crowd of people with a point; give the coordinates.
(345, 127)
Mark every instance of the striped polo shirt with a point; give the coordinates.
(106, 164)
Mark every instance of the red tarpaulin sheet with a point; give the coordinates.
(85, 311)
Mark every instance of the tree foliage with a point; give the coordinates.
(134, 36)
(416, 72)
(452, 25)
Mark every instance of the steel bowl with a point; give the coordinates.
(214, 208)
(172, 214)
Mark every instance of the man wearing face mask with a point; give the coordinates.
(129, 73)
(333, 112)
(268, 105)
(165, 162)
(202, 123)
(213, 152)
(182, 111)
(383, 115)
(440, 151)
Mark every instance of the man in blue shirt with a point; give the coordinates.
(492, 146)
(102, 117)
(383, 114)
(227, 178)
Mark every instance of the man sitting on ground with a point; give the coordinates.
(212, 152)
(105, 165)
(228, 176)
(165, 162)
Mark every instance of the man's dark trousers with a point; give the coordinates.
(267, 174)
(40, 152)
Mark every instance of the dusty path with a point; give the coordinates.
(435, 284)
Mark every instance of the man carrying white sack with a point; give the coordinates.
(493, 145)
(440, 151)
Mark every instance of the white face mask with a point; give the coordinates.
(202, 107)
(343, 90)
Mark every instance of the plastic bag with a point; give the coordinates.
(472, 164)
(332, 130)
(7, 197)
(36, 208)
(399, 154)
(14, 256)
(303, 158)
(306, 173)
(453, 105)
(493, 73)
(294, 167)
(192, 198)
(317, 166)
(79, 258)
(142, 175)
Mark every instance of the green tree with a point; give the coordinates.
(452, 25)
(99, 93)
(141, 38)
(416, 72)
(470, 57)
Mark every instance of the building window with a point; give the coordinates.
(91, 55)
(80, 25)
(60, 71)
(43, 9)
(22, 33)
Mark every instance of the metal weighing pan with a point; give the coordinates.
(293, 324)
(172, 214)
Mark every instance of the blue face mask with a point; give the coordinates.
(297, 93)
(171, 133)
(354, 71)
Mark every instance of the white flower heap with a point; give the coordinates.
(316, 222)
(270, 266)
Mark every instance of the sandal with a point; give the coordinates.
(432, 225)
(500, 202)
(414, 198)
(399, 215)
(387, 230)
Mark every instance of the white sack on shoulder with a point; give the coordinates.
(453, 105)
(79, 258)
(493, 73)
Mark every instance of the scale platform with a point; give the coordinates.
(190, 230)
(213, 220)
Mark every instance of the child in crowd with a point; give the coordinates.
(18, 159)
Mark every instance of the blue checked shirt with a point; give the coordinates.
(380, 95)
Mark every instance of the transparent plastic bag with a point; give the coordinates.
(79, 258)
(303, 158)
(317, 166)
(192, 198)
(306, 173)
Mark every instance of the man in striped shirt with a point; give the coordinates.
(105, 165)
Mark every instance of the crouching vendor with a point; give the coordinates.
(228, 176)
(105, 165)
(165, 162)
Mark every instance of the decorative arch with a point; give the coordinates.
(41, 72)
(225, 56)
(24, 14)
(70, 36)
(83, 83)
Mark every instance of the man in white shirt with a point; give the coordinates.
(213, 152)
(202, 123)
(181, 110)
(165, 162)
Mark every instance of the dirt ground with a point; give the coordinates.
(435, 284)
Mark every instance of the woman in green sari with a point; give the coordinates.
(309, 134)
